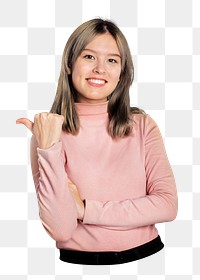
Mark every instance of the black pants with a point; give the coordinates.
(108, 258)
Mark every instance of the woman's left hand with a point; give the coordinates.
(79, 202)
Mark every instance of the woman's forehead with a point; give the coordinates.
(103, 43)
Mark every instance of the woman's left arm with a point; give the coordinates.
(159, 205)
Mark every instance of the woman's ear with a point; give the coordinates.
(66, 69)
(69, 71)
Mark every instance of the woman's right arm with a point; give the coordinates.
(57, 208)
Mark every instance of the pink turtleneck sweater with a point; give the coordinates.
(127, 184)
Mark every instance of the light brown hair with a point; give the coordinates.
(119, 110)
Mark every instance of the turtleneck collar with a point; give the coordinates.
(91, 109)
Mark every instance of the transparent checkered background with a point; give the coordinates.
(164, 37)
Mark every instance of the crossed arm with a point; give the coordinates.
(61, 206)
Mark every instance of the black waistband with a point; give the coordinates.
(109, 257)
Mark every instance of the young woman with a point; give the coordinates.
(102, 176)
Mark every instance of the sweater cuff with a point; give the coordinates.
(54, 147)
(52, 155)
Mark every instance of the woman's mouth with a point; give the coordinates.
(96, 82)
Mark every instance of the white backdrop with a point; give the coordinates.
(164, 37)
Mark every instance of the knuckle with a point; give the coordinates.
(40, 116)
(36, 117)
(44, 114)
(58, 117)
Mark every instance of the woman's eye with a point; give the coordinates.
(89, 56)
(112, 60)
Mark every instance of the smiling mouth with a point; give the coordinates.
(97, 82)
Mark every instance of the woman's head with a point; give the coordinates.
(86, 35)
(96, 71)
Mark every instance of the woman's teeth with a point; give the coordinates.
(95, 81)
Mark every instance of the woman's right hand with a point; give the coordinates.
(47, 128)
(78, 200)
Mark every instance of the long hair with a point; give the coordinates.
(119, 110)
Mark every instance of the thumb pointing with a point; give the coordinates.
(29, 124)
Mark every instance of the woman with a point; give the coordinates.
(100, 168)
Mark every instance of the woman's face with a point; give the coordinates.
(96, 72)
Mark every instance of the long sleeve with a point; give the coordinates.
(57, 208)
(160, 202)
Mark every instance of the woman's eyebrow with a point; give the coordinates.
(109, 54)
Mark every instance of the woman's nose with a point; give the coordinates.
(99, 68)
